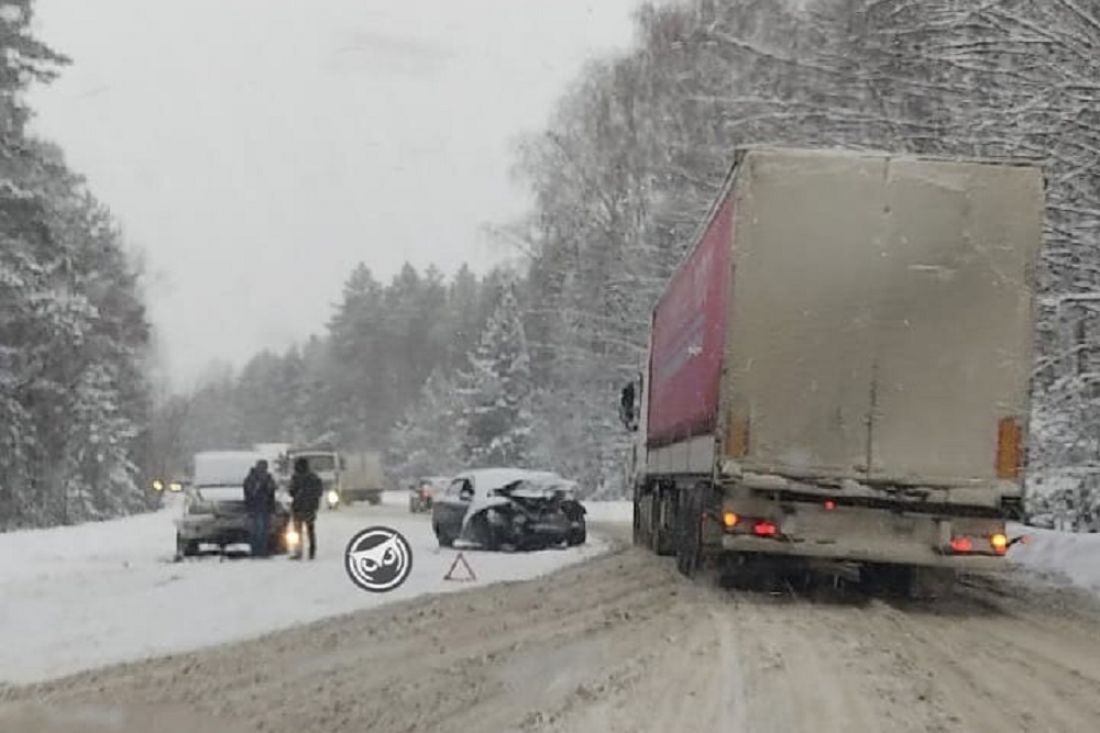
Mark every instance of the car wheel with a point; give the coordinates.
(276, 544)
(483, 532)
(578, 535)
(186, 548)
(445, 540)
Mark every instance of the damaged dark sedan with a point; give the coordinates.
(510, 509)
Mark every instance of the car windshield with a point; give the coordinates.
(320, 462)
(220, 494)
(660, 365)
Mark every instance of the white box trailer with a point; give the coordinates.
(841, 367)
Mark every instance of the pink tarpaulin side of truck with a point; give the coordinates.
(689, 337)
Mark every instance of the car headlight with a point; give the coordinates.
(333, 497)
(292, 538)
(175, 486)
(158, 485)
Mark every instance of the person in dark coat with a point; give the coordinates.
(259, 502)
(305, 492)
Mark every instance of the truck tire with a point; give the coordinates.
(908, 582)
(664, 539)
(642, 535)
(689, 540)
(931, 584)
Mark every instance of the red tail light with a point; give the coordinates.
(830, 505)
(961, 544)
(765, 529)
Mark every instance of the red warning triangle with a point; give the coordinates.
(460, 558)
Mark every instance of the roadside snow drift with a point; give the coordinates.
(73, 598)
(1073, 557)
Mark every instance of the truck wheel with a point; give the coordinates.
(664, 539)
(689, 542)
(928, 584)
(905, 581)
(641, 535)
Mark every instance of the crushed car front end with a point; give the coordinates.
(530, 516)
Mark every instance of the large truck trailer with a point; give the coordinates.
(839, 371)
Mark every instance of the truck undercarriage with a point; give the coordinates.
(876, 536)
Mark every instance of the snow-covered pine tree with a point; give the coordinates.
(426, 441)
(496, 390)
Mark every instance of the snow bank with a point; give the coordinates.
(73, 598)
(609, 511)
(1074, 557)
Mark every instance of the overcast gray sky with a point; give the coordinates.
(254, 150)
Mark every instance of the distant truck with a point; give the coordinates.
(347, 477)
(839, 371)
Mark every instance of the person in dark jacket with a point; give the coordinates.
(305, 492)
(259, 501)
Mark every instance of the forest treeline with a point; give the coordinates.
(74, 398)
(630, 162)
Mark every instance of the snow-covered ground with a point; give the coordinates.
(1065, 555)
(72, 598)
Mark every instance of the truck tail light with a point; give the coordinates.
(961, 545)
(1009, 448)
(999, 542)
(764, 528)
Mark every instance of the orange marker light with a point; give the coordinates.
(1000, 543)
(730, 520)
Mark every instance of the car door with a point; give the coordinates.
(450, 509)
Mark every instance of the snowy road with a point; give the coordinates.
(622, 643)
(72, 598)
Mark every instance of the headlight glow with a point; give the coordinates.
(333, 497)
(292, 537)
(175, 486)
(158, 485)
